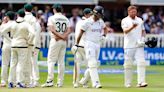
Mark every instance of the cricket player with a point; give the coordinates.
(134, 35)
(79, 55)
(58, 26)
(94, 29)
(33, 50)
(23, 35)
(6, 48)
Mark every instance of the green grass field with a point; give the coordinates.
(110, 82)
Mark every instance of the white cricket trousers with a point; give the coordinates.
(19, 66)
(6, 53)
(56, 54)
(131, 55)
(35, 68)
(92, 51)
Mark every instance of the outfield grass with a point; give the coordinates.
(110, 82)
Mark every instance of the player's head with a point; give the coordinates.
(132, 11)
(57, 8)
(28, 7)
(10, 15)
(21, 13)
(87, 12)
(98, 11)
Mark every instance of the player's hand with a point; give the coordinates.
(4, 21)
(135, 25)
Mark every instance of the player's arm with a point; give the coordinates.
(53, 30)
(143, 30)
(79, 36)
(105, 31)
(126, 28)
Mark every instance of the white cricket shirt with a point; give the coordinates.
(93, 29)
(130, 39)
(60, 22)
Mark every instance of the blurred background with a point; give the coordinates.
(151, 11)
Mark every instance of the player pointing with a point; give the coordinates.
(134, 34)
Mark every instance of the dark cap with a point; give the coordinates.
(28, 7)
(21, 12)
(10, 14)
(87, 11)
(57, 6)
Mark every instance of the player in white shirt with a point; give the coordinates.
(58, 26)
(79, 58)
(6, 48)
(134, 34)
(33, 50)
(94, 29)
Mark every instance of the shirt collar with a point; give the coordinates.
(28, 13)
(20, 19)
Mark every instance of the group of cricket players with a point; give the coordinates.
(21, 44)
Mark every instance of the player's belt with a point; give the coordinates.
(37, 48)
(79, 46)
(19, 47)
(31, 45)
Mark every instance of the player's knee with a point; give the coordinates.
(141, 63)
(93, 63)
(128, 64)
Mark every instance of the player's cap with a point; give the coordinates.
(10, 14)
(57, 6)
(98, 10)
(21, 12)
(28, 7)
(87, 11)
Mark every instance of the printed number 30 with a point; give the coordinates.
(61, 27)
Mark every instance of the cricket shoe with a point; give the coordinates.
(75, 85)
(36, 84)
(84, 83)
(48, 84)
(97, 86)
(11, 85)
(128, 86)
(142, 85)
(59, 85)
(20, 85)
(2, 85)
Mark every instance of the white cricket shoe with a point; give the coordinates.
(97, 86)
(2, 85)
(36, 84)
(59, 85)
(48, 84)
(76, 85)
(142, 85)
(84, 83)
(128, 85)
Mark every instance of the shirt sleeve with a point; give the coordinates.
(5, 28)
(84, 26)
(142, 25)
(50, 22)
(124, 24)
